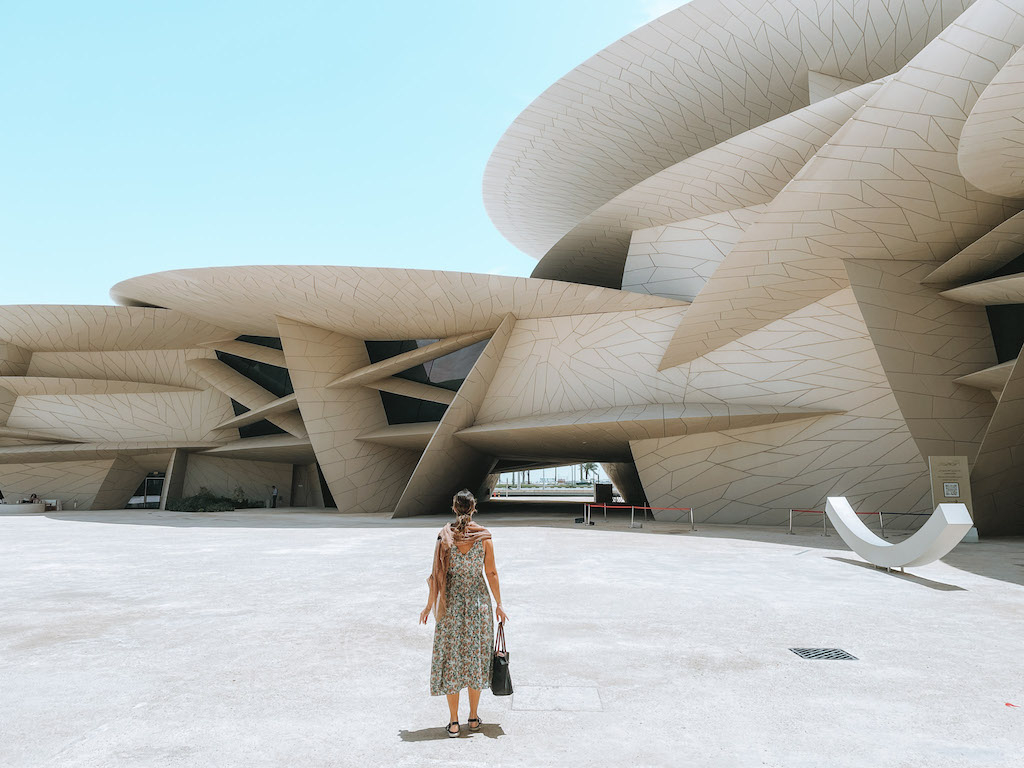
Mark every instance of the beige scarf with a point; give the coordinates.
(448, 538)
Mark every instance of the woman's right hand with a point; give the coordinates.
(500, 613)
(424, 614)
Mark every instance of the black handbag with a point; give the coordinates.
(501, 680)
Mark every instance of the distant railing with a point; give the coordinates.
(632, 512)
(824, 520)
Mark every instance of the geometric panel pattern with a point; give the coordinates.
(747, 170)
(886, 187)
(997, 482)
(447, 462)
(991, 150)
(676, 260)
(363, 476)
(688, 80)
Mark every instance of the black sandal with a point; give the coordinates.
(452, 734)
(476, 720)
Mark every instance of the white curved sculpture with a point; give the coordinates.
(942, 531)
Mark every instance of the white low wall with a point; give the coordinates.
(18, 509)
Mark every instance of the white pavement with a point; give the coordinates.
(291, 639)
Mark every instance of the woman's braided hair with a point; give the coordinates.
(464, 504)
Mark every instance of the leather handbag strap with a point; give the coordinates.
(499, 639)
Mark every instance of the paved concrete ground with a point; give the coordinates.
(158, 639)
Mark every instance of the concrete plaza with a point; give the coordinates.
(152, 639)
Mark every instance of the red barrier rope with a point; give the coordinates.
(820, 512)
(637, 506)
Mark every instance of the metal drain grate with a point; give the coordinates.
(837, 654)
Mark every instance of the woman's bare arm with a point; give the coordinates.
(491, 572)
(432, 597)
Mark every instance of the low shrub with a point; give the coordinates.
(203, 501)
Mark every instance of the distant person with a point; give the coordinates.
(463, 626)
(2, 500)
(34, 499)
(273, 497)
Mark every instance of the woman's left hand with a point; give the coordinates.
(500, 613)
(424, 614)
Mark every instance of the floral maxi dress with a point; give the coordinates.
(463, 637)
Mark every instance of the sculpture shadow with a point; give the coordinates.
(938, 585)
(490, 730)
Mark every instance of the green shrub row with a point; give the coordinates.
(207, 501)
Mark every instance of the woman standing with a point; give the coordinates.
(463, 626)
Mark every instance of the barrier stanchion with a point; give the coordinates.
(691, 520)
(881, 523)
(791, 523)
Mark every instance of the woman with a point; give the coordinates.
(463, 626)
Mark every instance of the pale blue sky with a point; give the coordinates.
(142, 136)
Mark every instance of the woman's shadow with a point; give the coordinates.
(490, 730)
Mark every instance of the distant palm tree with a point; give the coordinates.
(588, 468)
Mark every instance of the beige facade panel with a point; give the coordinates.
(370, 303)
(693, 78)
(821, 86)
(285, 404)
(47, 385)
(991, 149)
(996, 478)
(744, 171)
(250, 351)
(87, 451)
(449, 464)
(677, 260)
(68, 328)
(605, 434)
(886, 187)
(998, 290)
(151, 366)
(173, 416)
(756, 475)
(414, 389)
(362, 476)
(413, 437)
(76, 484)
(925, 342)
(984, 256)
(27, 436)
(406, 360)
(273, 448)
(993, 378)
(14, 360)
(248, 393)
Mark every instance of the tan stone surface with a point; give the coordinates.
(362, 476)
(886, 187)
(367, 302)
(248, 393)
(448, 464)
(66, 328)
(747, 170)
(997, 481)
(680, 84)
(47, 385)
(77, 484)
(414, 389)
(406, 360)
(284, 404)
(991, 150)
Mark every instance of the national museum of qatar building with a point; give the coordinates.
(779, 257)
